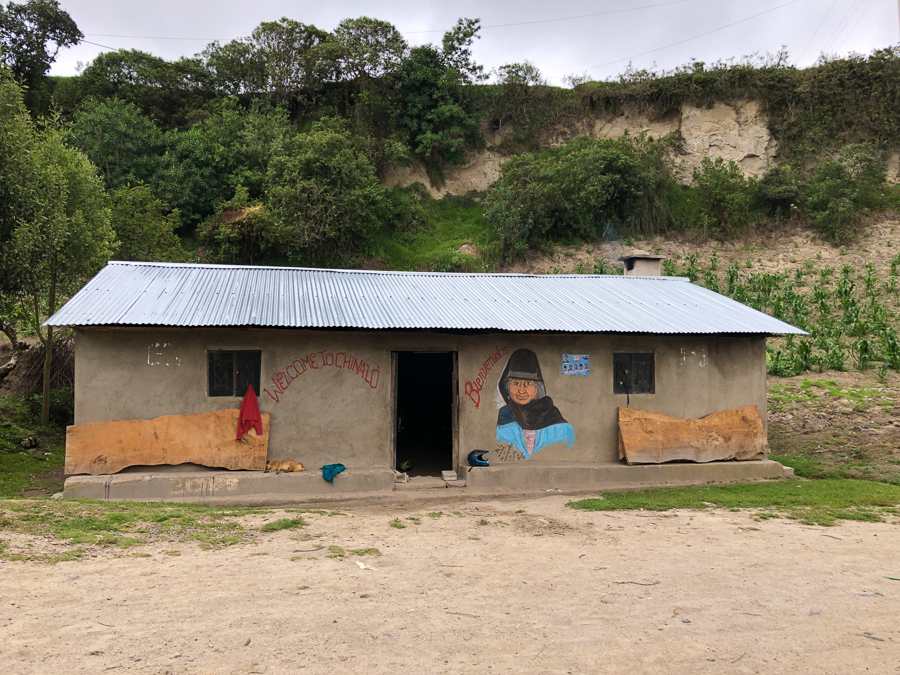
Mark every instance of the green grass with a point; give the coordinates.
(16, 466)
(435, 514)
(365, 551)
(284, 524)
(397, 524)
(820, 502)
(451, 223)
(125, 524)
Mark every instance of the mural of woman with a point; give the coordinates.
(529, 420)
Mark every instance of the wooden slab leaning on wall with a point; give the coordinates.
(206, 438)
(654, 438)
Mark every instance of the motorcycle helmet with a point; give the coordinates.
(476, 458)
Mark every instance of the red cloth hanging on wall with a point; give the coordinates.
(249, 417)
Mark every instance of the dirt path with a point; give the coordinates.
(548, 590)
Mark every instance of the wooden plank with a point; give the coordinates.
(654, 438)
(207, 439)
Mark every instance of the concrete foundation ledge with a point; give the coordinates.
(562, 476)
(215, 485)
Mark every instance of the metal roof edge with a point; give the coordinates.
(138, 263)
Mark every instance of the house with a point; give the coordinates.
(393, 373)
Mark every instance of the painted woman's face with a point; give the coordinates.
(522, 391)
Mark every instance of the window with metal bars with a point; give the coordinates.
(231, 372)
(633, 373)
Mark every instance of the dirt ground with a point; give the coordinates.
(520, 585)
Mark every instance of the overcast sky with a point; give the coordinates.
(643, 32)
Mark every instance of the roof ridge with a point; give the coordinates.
(148, 263)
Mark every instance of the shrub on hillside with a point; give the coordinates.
(724, 193)
(778, 190)
(829, 201)
(589, 188)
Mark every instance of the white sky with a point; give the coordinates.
(806, 27)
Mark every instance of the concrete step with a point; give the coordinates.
(422, 483)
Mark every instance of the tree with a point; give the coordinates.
(368, 48)
(168, 92)
(66, 241)
(20, 196)
(457, 50)
(283, 59)
(119, 140)
(587, 188)
(244, 139)
(144, 225)
(31, 35)
(190, 176)
(235, 68)
(438, 110)
(323, 195)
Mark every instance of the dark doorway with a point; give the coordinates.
(424, 413)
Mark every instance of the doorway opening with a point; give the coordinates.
(424, 412)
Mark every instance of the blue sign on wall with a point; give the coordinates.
(576, 364)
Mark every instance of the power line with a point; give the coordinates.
(149, 37)
(566, 18)
(859, 18)
(709, 32)
(817, 30)
(842, 24)
(88, 42)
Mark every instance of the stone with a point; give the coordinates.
(653, 438)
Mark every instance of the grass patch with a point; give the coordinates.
(17, 467)
(124, 524)
(450, 222)
(284, 524)
(819, 502)
(435, 514)
(336, 552)
(317, 512)
(415, 520)
(365, 551)
(483, 521)
(396, 523)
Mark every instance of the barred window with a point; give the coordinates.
(231, 372)
(633, 373)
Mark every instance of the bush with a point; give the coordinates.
(62, 407)
(724, 193)
(778, 191)
(829, 201)
(237, 236)
(144, 225)
(591, 187)
(322, 195)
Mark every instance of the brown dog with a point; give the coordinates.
(287, 467)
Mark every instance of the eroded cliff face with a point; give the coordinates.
(736, 132)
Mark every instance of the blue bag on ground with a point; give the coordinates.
(329, 471)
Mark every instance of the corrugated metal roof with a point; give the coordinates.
(170, 294)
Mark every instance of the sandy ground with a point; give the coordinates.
(550, 590)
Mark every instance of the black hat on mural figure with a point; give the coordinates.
(539, 411)
(476, 458)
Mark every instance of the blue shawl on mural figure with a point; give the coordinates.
(529, 421)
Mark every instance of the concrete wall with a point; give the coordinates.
(337, 405)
